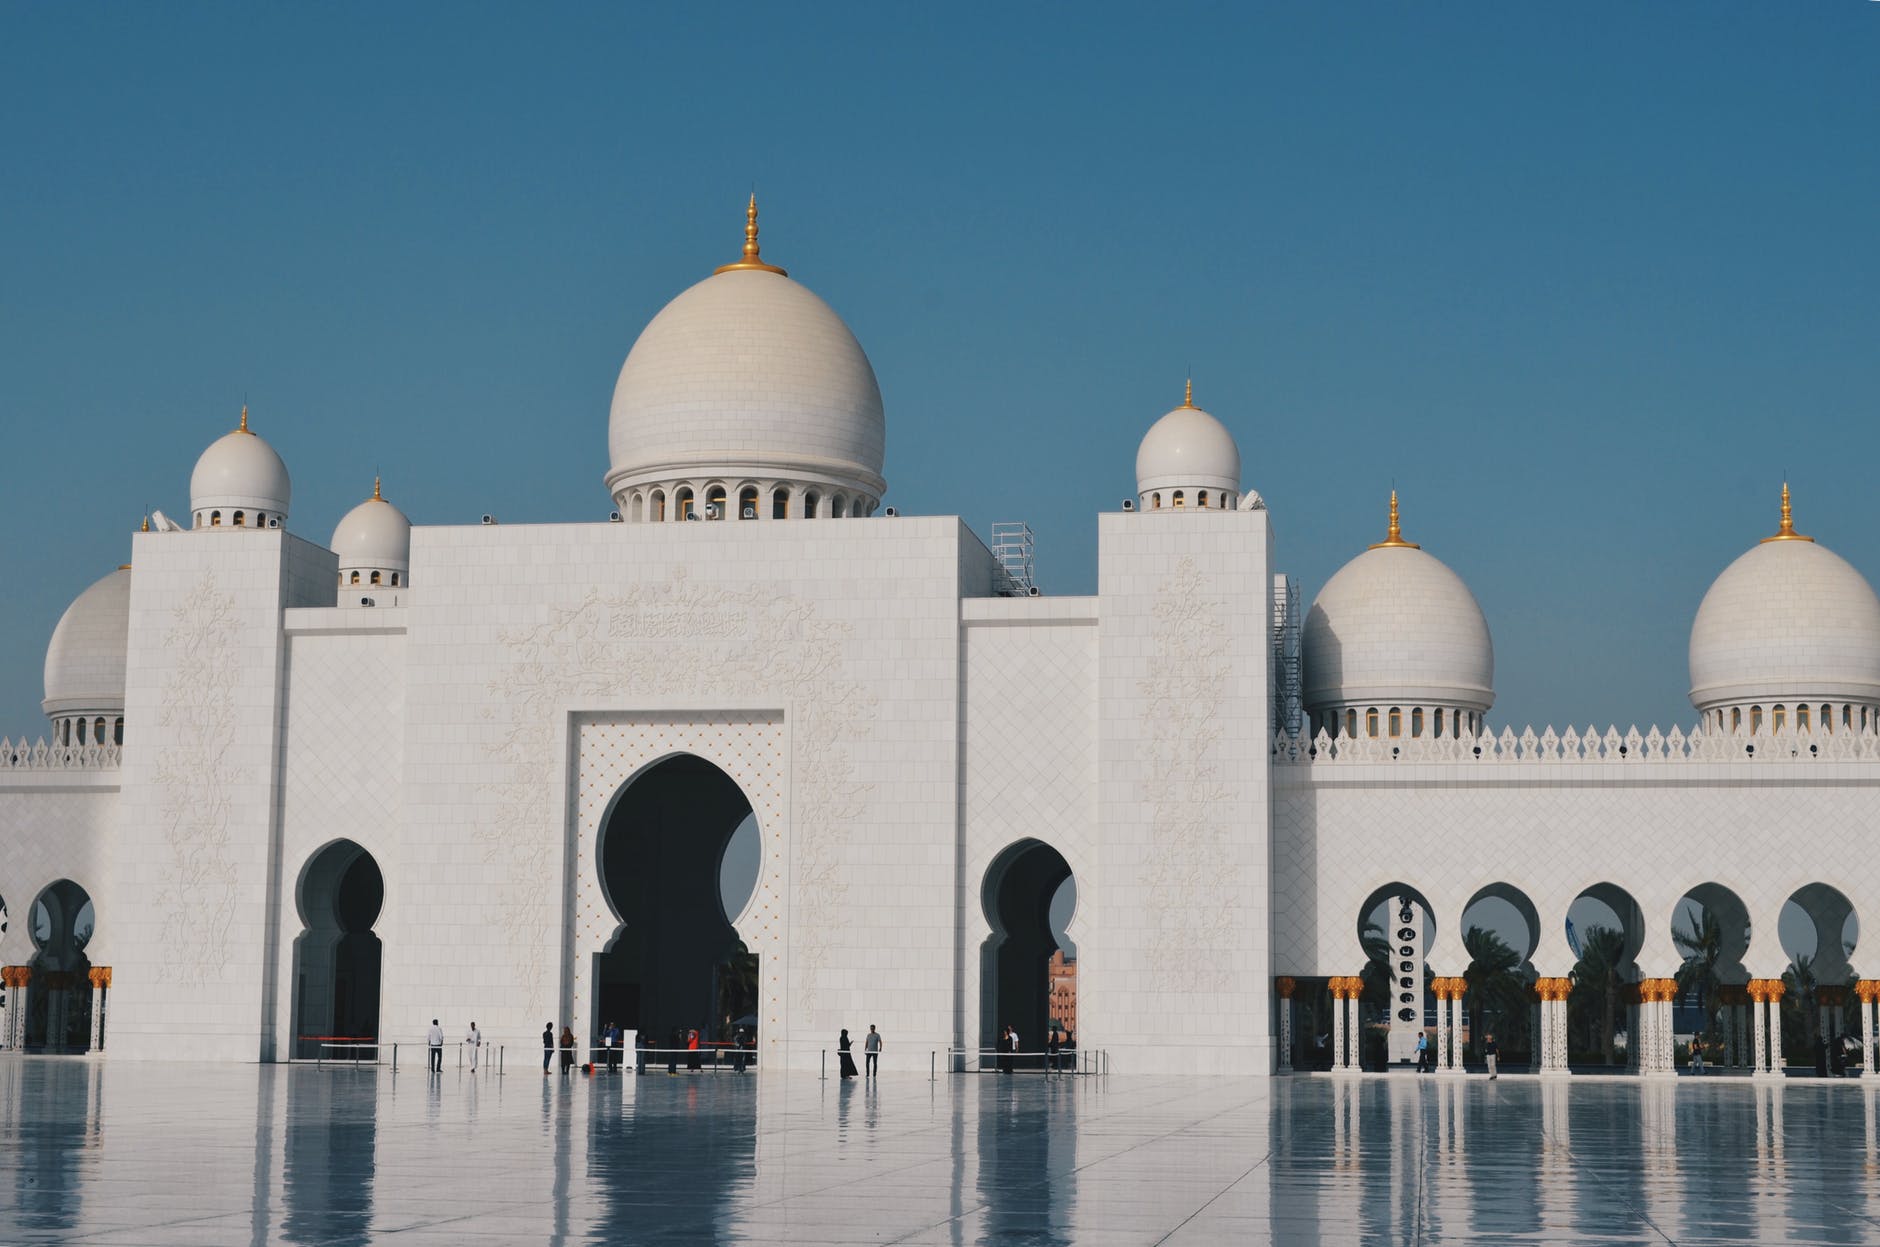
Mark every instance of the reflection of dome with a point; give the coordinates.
(1185, 455)
(1396, 628)
(85, 662)
(239, 483)
(374, 536)
(1789, 619)
(747, 379)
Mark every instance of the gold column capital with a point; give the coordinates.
(16, 976)
(101, 976)
(1285, 985)
(1868, 990)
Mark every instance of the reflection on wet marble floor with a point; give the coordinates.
(154, 1154)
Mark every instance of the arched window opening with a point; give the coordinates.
(1178, 498)
(215, 519)
(1201, 498)
(780, 503)
(1439, 722)
(1755, 719)
(1802, 717)
(1351, 724)
(1416, 721)
(1736, 718)
(715, 502)
(747, 503)
(375, 578)
(81, 731)
(117, 732)
(1155, 501)
(1778, 718)
(1396, 722)
(355, 578)
(97, 730)
(636, 508)
(810, 501)
(238, 520)
(1370, 722)
(683, 501)
(659, 506)
(394, 580)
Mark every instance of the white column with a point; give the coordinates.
(1455, 1033)
(97, 1016)
(1775, 1036)
(1442, 1032)
(1758, 1049)
(1338, 1031)
(1871, 1015)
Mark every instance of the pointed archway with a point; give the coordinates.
(1015, 960)
(58, 998)
(337, 958)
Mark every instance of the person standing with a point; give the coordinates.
(1490, 1052)
(548, 1046)
(1423, 1052)
(692, 1058)
(435, 1038)
(610, 1040)
(871, 1047)
(473, 1043)
(1697, 1054)
(567, 1049)
(845, 1064)
(1051, 1045)
(642, 1044)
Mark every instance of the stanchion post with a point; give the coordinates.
(933, 1065)
(394, 1058)
(825, 1065)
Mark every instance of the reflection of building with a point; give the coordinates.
(1063, 977)
(321, 792)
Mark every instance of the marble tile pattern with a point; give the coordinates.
(153, 1154)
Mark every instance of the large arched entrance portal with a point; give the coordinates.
(672, 852)
(336, 957)
(1022, 887)
(58, 999)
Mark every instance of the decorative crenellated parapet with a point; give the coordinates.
(1571, 746)
(19, 755)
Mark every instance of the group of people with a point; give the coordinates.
(434, 1040)
(740, 1041)
(1057, 1043)
(1426, 1059)
(871, 1053)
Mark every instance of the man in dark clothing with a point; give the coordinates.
(548, 1045)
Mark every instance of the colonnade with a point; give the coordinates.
(18, 981)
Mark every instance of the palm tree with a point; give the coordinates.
(1798, 1001)
(1495, 981)
(1596, 978)
(1701, 942)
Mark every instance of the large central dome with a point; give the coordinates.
(746, 387)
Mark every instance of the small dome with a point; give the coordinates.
(85, 662)
(1187, 449)
(1396, 626)
(747, 376)
(1789, 619)
(239, 472)
(373, 536)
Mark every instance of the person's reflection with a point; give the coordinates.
(1027, 1141)
(329, 1156)
(668, 1156)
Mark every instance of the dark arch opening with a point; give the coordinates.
(337, 958)
(675, 962)
(58, 998)
(1605, 928)
(1015, 961)
(1501, 931)
(1397, 931)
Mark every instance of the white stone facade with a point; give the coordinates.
(908, 742)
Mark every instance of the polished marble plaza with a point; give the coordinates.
(183, 1154)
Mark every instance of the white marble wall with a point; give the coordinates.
(1183, 856)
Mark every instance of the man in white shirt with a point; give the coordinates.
(473, 1041)
(872, 1047)
(436, 1039)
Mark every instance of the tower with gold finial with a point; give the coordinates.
(1187, 461)
(373, 545)
(751, 261)
(1786, 531)
(239, 483)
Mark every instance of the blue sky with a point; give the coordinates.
(1582, 281)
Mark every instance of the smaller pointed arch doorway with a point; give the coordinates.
(337, 958)
(58, 998)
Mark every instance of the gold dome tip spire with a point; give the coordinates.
(752, 261)
(377, 496)
(243, 426)
(1787, 531)
(1188, 393)
(146, 527)
(1393, 537)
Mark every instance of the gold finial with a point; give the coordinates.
(1787, 531)
(1188, 393)
(376, 495)
(243, 426)
(146, 527)
(1393, 538)
(751, 261)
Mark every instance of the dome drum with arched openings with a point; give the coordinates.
(239, 482)
(749, 384)
(1789, 623)
(373, 544)
(1395, 630)
(1187, 461)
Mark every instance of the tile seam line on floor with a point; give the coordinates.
(1220, 1194)
(1600, 1183)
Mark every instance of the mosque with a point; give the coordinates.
(296, 790)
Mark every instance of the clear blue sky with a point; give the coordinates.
(1583, 281)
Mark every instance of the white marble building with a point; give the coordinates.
(296, 790)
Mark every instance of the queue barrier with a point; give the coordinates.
(1082, 1061)
(713, 1057)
